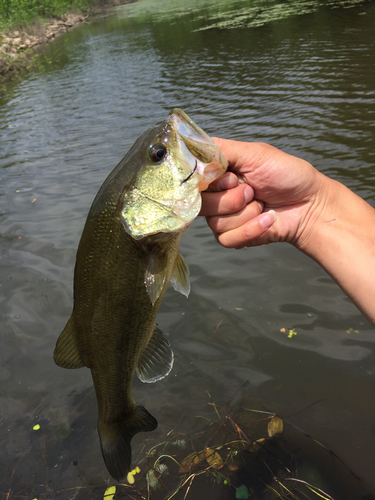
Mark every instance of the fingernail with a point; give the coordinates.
(261, 206)
(248, 194)
(268, 218)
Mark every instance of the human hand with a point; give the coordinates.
(267, 196)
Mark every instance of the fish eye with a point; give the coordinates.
(157, 152)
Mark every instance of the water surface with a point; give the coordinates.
(298, 75)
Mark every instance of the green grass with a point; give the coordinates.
(22, 12)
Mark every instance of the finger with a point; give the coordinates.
(229, 180)
(241, 153)
(226, 202)
(223, 223)
(250, 234)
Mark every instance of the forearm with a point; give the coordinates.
(339, 234)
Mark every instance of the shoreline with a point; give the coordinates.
(17, 49)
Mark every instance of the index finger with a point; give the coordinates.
(229, 180)
(242, 154)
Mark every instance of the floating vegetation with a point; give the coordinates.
(131, 475)
(275, 426)
(242, 492)
(290, 333)
(154, 476)
(236, 456)
(243, 452)
(109, 493)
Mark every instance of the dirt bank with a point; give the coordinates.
(17, 45)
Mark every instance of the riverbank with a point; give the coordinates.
(17, 45)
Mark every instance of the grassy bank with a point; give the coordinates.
(20, 13)
(27, 24)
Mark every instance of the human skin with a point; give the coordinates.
(270, 196)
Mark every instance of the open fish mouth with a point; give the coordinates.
(201, 153)
(177, 160)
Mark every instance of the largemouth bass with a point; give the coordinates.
(127, 255)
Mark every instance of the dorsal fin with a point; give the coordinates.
(157, 359)
(66, 353)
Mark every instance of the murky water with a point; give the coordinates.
(299, 75)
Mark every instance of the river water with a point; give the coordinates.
(297, 74)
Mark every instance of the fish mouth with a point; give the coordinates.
(185, 126)
(201, 153)
(165, 195)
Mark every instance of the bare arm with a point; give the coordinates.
(339, 234)
(271, 196)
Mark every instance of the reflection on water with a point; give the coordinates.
(299, 75)
(224, 14)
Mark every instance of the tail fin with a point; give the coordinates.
(115, 440)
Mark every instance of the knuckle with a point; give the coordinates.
(226, 240)
(213, 223)
(234, 200)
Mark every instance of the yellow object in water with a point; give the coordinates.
(109, 493)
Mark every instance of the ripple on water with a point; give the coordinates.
(304, 83)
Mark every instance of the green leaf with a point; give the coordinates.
(242, 492)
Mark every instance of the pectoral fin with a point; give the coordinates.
(180, 278)
(155, 275)
(66, 353)
(157, 359)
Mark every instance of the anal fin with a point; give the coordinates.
(157, 359)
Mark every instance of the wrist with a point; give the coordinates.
(322, 211)
(339, 234)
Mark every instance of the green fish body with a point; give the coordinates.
(127, 255)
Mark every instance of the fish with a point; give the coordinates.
(127, 255)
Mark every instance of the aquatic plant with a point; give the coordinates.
(239, 453)
(236, 450)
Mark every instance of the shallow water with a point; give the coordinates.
(298, 75)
